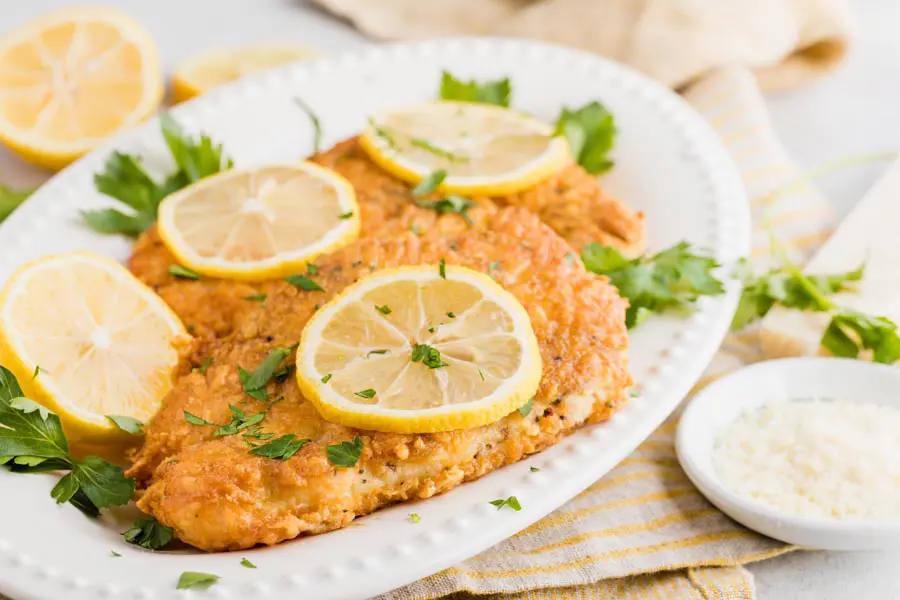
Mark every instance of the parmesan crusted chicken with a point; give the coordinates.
(571, 202)
(217, 496)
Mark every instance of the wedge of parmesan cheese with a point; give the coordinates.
(870, 234)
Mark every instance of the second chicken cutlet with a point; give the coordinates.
(571, 202)
(217, 496)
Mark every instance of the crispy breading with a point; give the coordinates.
(217, 496)
(571, 202)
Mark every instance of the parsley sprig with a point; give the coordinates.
(789, 288)
(32, 440)
(11, 199)
(497, 92)
(125, 179)
(345, 454)
(671, 280)
(591, 132)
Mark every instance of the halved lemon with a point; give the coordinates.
(203, 72)
(259, 223)
(88, 340)
(418, 350)
(73, 78)
(483, 149)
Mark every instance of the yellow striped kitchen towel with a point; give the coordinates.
(643, 531)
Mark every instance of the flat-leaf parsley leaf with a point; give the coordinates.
(511, 502)
(495, 92)
(345, 454)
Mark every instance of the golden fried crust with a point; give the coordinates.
(217, 496)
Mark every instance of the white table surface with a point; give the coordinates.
(855, 111)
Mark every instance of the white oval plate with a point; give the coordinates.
(767, 383)
(669, 163)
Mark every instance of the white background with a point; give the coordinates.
(855, 111)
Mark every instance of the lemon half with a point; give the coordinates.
(259, 223)
(73, 78)
(203, 72)
(484, 149)
(419, 349)
(88, 340)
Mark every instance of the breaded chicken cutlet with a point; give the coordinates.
(571, 202)
(217, 496)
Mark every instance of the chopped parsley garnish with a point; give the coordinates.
(415, 229)
(366, 393)
(384, 135)
(195, 420)
(127, 424)
(450, 204)
(345, 454)
(385, 310)
(431, 330)
(37, 371)
(125, 179)
(789, 288)
(148, 533)
(239, 422)
(191, 580)
(480, 374)
(32, 440)
(511, 502)
(254, 384)
(114, 554)
(183, 272)
(281, 448)
(314, 119)
(591, 132)
(371, 352)
(437, 150)
(533, 469)
(10, 200)
(496, 92)
(204, 366)
(430, 183)
(671, 280)
(525, 409)
(256, 297)
(414, 518)
(442, 269)
(452, 315)
(247, 563)
(326, 378)
(304, 282)
(346, 215)
(428, 356)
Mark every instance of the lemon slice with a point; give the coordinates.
(88, 340)
(410, 351)
(71, 79)
(259, 223)
(484, 149)
(205, 71)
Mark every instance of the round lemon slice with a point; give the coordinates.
(483, 149)
(71, 79)
(260, 223)
(88, 341)
(418, 350)
(205, 71)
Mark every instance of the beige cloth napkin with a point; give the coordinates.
(786, 42)
(643, 531)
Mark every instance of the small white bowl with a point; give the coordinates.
(771, 382)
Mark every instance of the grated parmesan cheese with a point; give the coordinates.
(825, 459)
